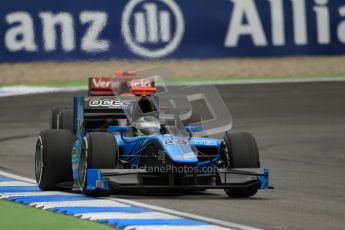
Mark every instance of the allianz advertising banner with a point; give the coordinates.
(152, 29)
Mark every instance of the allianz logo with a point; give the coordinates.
(152, 25)
(145, 24)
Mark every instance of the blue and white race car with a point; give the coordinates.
(111, 143)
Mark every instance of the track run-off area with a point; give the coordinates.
(300, 129)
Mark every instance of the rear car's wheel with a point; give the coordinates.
(53, 164)
(241, 151)
(98, 151)
(65, 119)
(54, 117)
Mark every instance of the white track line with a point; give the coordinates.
(15, 183)
(78, 203)
(138, 204)
(273, 81)
(2, 173)
(187, 215)
(24, 194)
(126, 215)
(27, 90)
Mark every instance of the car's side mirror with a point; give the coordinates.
(120, 129)
(193, 128)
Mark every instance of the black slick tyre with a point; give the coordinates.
(54, 117)
(98, 151)
(65, 119)
(241, 151)
(53, 164)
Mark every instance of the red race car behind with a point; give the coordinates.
(118, 85)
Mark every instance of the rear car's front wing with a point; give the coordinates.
(140, 179)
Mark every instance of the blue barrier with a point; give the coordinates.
(141, 29)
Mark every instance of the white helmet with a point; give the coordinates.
(147, 125)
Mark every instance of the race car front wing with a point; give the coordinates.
(141, 179)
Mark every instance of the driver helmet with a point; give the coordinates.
(147, 125)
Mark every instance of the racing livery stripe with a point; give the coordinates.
(114, 212)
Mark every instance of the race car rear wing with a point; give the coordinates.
(100, 86)
(96, 113)
(105, 106)
(115, 86)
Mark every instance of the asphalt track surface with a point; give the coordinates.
(300, 129)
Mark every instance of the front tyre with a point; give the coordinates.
(240, 150)
(98, 151)
(53, 164)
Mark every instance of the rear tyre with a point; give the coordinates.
(65, 119)
(98, 151)
(241, 151)
(53, 164)
(54, 117)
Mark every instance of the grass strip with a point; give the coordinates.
(16, 216)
